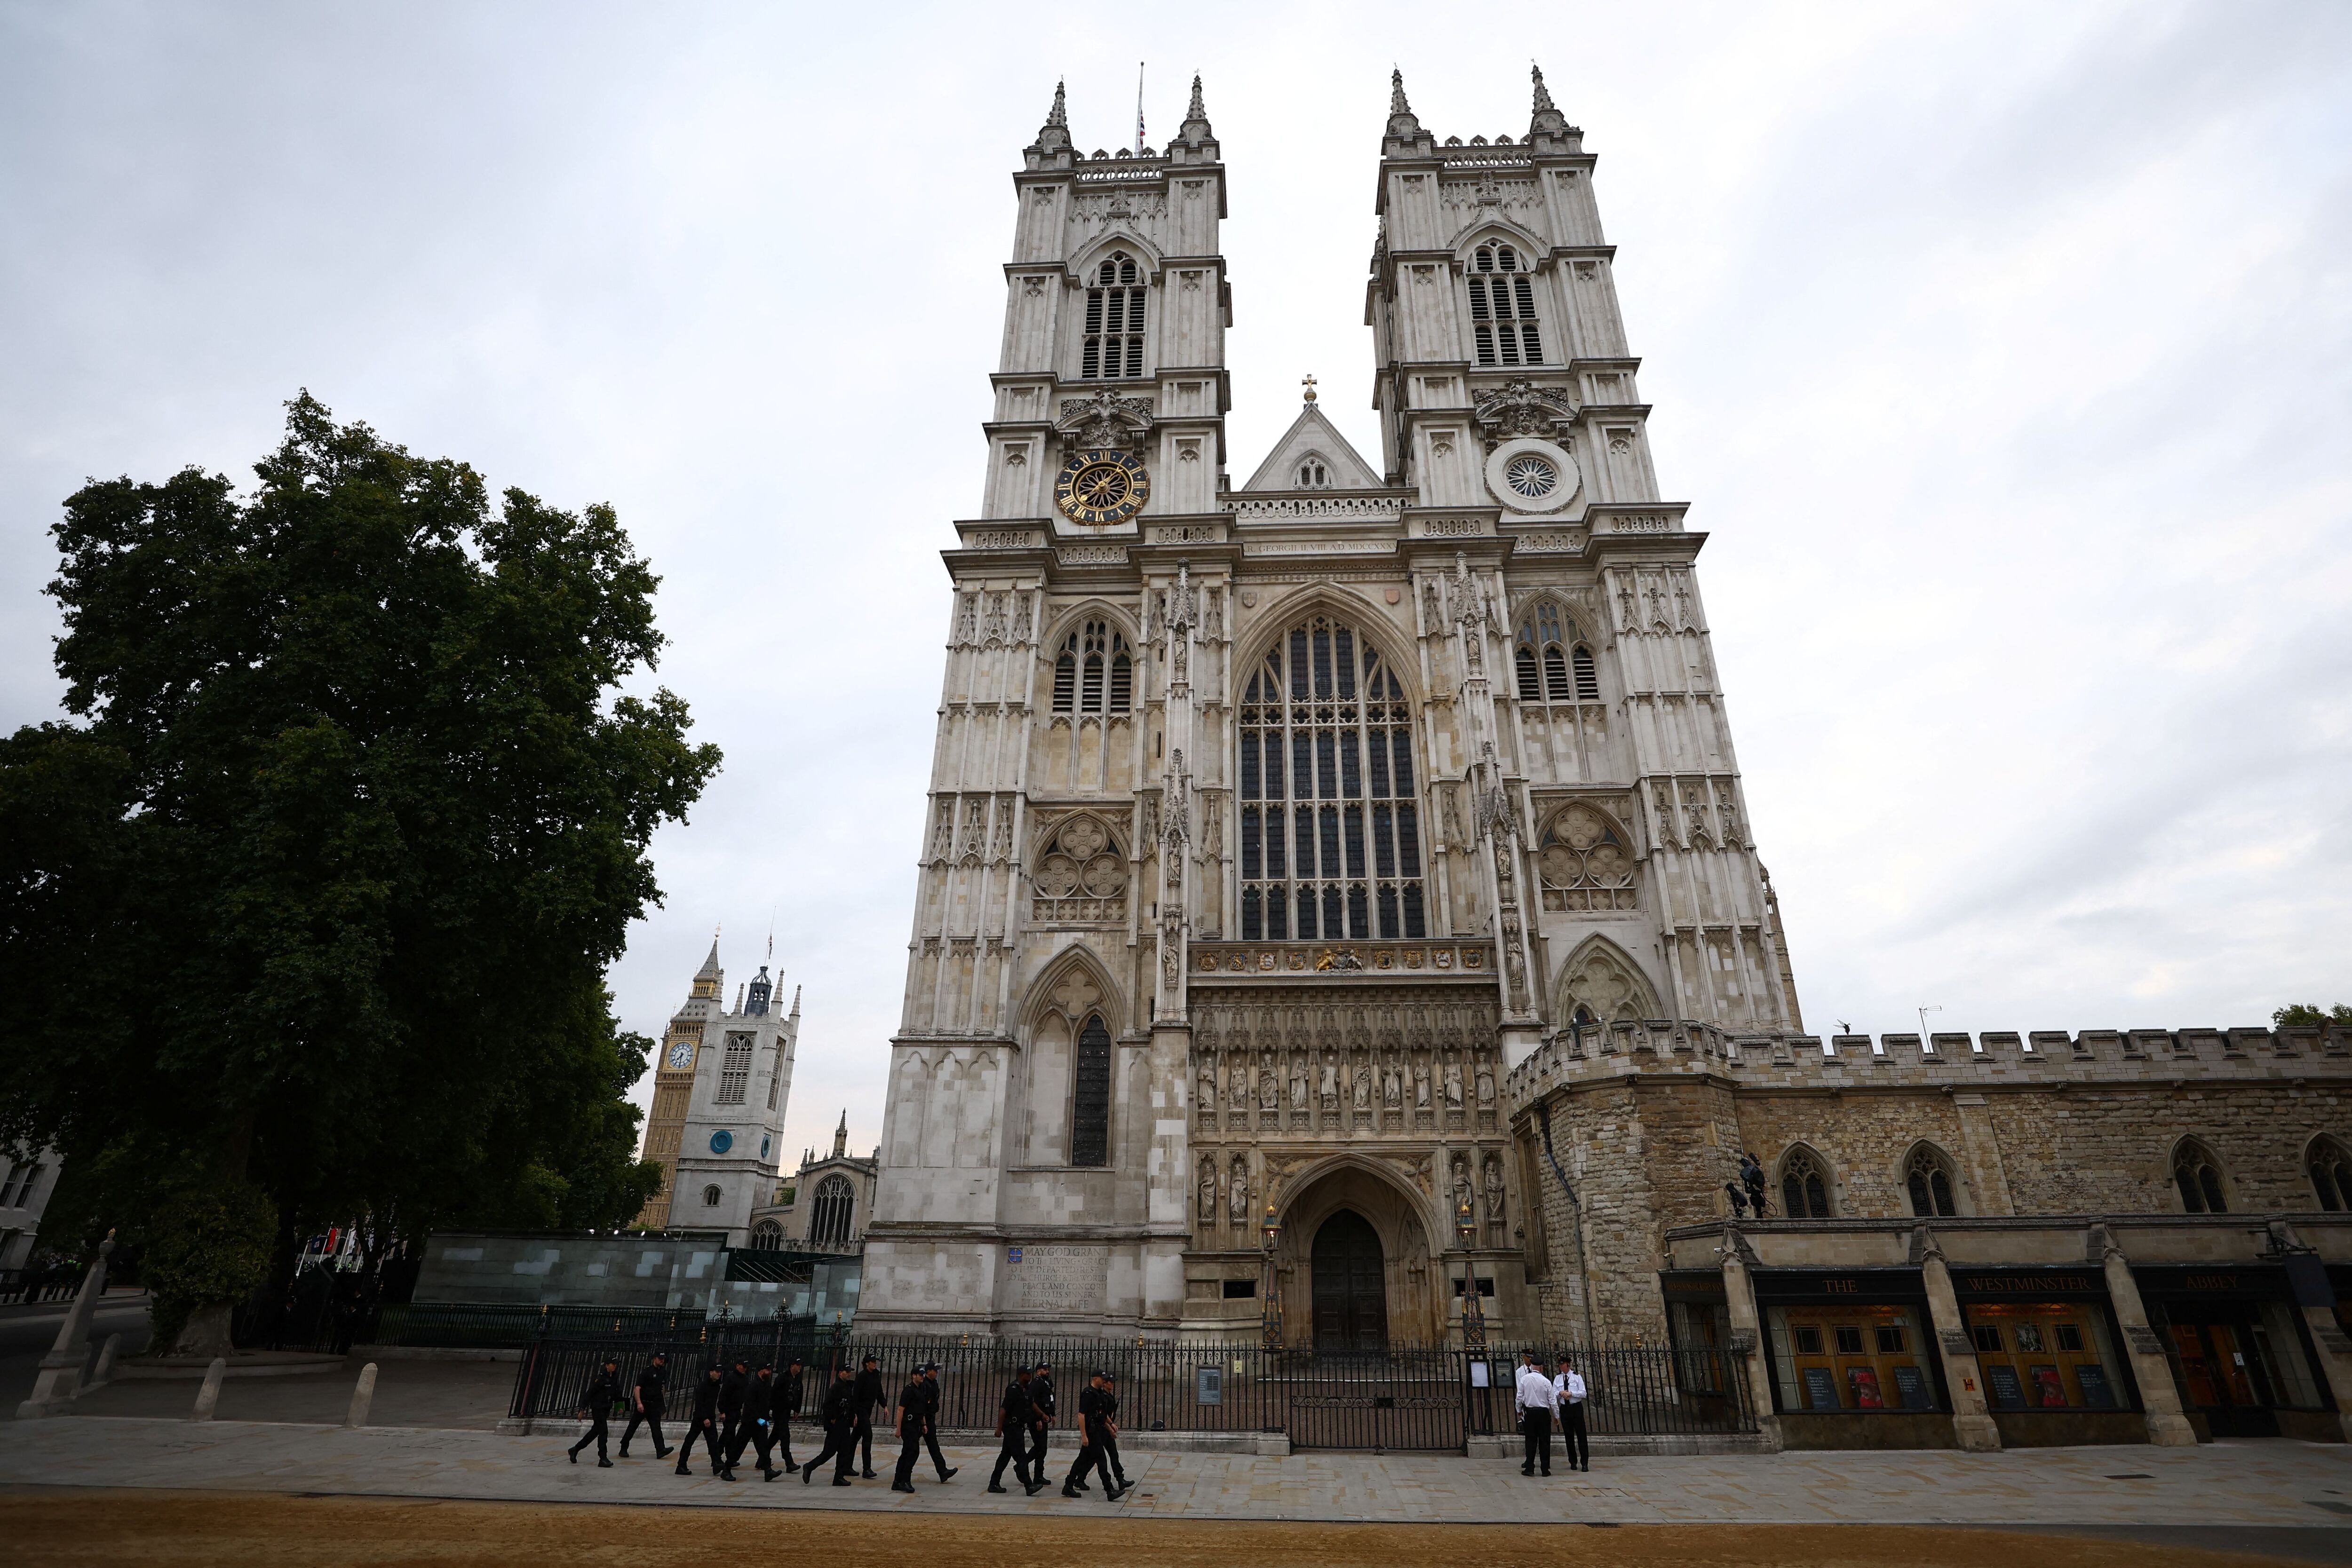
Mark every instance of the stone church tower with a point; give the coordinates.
(1270, 827)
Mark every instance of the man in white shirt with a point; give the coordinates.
(1537, 1399)
(1570, 1387)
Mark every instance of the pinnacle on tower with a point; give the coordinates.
(1549, 120)
(1196, 111)
(1055, 135)
(1403, 125)
(1195, 131)
(841, 1137)
(711, 970)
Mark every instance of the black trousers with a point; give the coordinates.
(841, 1446)
(1109, 1461)
(863, 1437)
(932, 1442)
(1572, 1427)
(1037, 1451)
(707, 1429)
(651, 1421)
(1014, 1451)
(780, 1433)
(911, 1448)
(1090, 1458)
(1536, 1425)
(595, 1434)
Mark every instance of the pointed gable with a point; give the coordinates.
(1313, 436)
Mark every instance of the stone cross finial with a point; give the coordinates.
(1308, 382)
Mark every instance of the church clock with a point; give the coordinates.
(1100, 489)
(682, 1054)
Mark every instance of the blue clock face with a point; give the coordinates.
(764, 1147)
(722, 1141)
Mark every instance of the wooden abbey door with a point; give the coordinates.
(1350, 1289)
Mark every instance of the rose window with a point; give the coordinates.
(1531, 476)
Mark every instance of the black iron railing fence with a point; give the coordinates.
(1397, 1399)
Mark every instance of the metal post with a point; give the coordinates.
(1270, 1303)
(1474, 1315)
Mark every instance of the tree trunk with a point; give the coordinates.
(206, 1334)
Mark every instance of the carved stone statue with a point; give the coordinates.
(1208, 1101)
(1297, 1084)
(1393, 1087)
(1237, 1087)
(1494, 1191)
(1486, 1084)
(1237, 1196)
(1268, 1096)
(1454, 1086)
(1363, 1087)
(1208, 1193)
(1462, 1193)
(1331, 1085)
(1421, 1086)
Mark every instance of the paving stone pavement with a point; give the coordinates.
(2271, 1483)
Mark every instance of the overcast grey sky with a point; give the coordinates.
(2002, 349)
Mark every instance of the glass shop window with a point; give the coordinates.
(1851, 1358)
(2046, 1355)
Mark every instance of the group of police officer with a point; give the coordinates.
(753, 1408)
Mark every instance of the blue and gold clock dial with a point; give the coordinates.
(1100, 489)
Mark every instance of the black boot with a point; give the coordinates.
(901, 1486)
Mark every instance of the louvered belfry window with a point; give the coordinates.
(1114, 347)
(735, 1070)
(1090, 1098)
(1331, 827)
(1094, 672)
(1548, 660)
(1503, 308)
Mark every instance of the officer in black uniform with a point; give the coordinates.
(1016, 1418)
(733, 1428)
(931, 1397)
(645, 1405)
(1092, 1433)
(596, 1403)
(838, 1410)
(1041, 1396)
(870, 1395)
(1109, 1463)
(787, 1405)
(753, 1426)
(911, 1400)
(704, 1423)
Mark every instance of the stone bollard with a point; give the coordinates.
(104, 1370)
(208, 1396)
(362, 1397)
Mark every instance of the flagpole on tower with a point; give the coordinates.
(1139, 109)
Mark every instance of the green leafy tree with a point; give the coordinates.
(2311, 1013)
(315, 901)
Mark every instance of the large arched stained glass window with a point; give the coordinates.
(1330, 831)
(829, 1215)
(1090, 1097)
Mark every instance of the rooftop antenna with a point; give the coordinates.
(1139, 109)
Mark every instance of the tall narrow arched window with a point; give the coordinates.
(1330, 825)
(1804, 1186)
(768, 1235)
(2331, 1175)
(710, 1197)
(1928, 1177)
(1551, 663)
(830, 1215)
(2199, 1177)
(1113, 343)
(1090, 1096)
(1503, 308)
(1095, 671)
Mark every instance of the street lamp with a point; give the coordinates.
(1474, 1316)
(1270, 1305)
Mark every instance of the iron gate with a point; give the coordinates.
(1380, 1400)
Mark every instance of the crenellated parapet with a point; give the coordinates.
(1956, 1062)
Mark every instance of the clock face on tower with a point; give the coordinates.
(682, 1054)
(1099, 489)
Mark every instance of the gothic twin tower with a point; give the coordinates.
(1271, 825)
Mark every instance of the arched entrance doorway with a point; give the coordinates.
(1349, 1286)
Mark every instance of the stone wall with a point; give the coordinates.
(1649, 1122)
